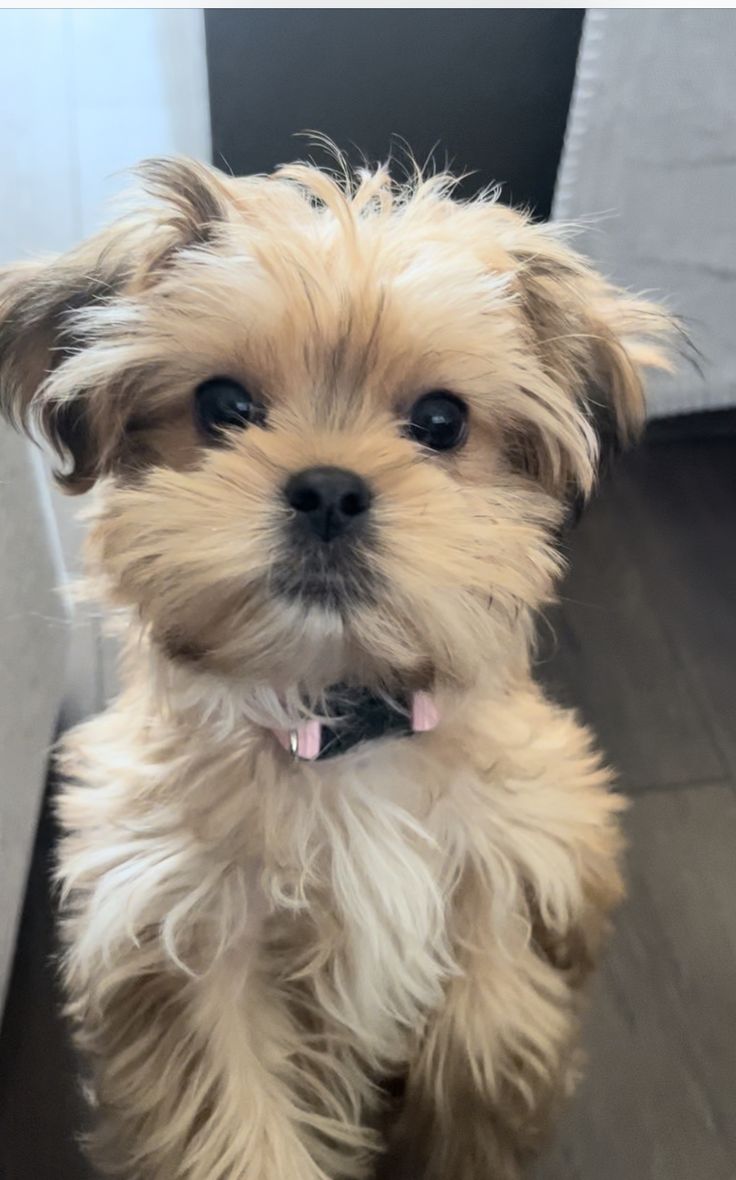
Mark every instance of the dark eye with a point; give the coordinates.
(439, 420)
(224, 404)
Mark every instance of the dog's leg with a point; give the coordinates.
(194, 1080)
(494, 1062)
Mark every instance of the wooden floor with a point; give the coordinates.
(644, 643)
(646, 647)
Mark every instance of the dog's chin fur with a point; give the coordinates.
(284, 971)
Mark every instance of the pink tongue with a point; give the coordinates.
(424, 717)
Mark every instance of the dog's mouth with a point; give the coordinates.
(333, 578)
(315, 617)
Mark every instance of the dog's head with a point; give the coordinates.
(336, 424)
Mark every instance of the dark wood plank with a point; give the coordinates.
(41, 1108)
(658, 1100)
(685, 498)
(612, 654)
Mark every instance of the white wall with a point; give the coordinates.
(84, 95)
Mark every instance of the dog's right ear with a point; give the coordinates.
(42, 307)
(37, 303)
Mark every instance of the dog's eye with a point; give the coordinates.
(224, 404)
(439, 420)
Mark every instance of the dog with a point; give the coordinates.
(333, 870)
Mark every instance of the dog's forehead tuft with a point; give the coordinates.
(373, 216)
(343, 253)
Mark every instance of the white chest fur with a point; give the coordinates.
(360, 862)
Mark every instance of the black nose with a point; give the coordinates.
(330, 501)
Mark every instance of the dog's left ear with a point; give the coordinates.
(594, 342)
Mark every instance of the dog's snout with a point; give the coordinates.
(330, 501)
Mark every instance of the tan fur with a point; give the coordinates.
(254, 947)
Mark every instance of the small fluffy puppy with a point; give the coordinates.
(334, 869)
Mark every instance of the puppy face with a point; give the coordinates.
(336, 425)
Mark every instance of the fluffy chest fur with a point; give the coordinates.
(341, 878)
(237, 925)
(335, 874)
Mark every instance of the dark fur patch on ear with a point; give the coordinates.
(66, 426)
(603, 418)
(35, 337)
(559, 332)
(179, 649)
(98, 286)
(524, 452)
(37, 334)
(526, 455)
(192, 193)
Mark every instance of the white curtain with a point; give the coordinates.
(84, 95)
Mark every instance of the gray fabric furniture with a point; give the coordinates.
(649, 166)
